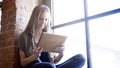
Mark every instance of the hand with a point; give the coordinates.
(60, 49)
(37, 51)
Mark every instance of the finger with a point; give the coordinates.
(40, 50)
(37, 50)
(34, 49)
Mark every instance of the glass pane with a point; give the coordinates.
(75, 43)
(104, 37)
(67, 10)
(100, 6)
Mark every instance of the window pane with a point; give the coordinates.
(67, 10)
(104, 37)
(75, 43)
(100, 6)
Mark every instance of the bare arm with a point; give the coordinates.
(60, 50)
(58, 58)
(25, 61)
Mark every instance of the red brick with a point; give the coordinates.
(1, 56)
(1, 65)
(8, 15)
(11, 57)
(9, 65)
(10, 27)
(11, 49)
(11, 19)
(7, 53)
(5, 58)
(4, 14)
(7, 34)
(2, 43)
(1, 51)
(4, 2)
(8, 5)
(9, 42)
(5, 50)
(4, 21)
(11, 12)
(8, 49)
(3, 28)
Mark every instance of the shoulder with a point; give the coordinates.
(26, 34)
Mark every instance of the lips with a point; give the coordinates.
(41, 26)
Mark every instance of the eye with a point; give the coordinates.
(40, 18)
(46, 19)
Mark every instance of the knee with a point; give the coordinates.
(50, 65)
(80, 58)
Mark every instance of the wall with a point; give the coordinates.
(15, 16)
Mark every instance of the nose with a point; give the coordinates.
(43, 20)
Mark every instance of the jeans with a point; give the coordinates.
(76, 61)
(42, 65)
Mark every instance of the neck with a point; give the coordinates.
(37, 35)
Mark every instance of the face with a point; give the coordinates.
(43, 19)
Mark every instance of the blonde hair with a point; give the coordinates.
(38, 10)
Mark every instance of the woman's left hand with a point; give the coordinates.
(60, 49)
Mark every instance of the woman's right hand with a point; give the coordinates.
(37, 51)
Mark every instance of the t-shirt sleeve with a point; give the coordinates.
(21, 43)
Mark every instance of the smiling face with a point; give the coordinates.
(42, 21)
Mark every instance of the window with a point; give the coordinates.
(104, 33)
(67, 12)
(100, 6)
(103, 19)
(64, 13)
(104, 37)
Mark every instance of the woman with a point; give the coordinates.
(32, 56)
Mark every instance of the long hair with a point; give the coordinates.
(38, 10)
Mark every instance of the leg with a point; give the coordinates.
(76, 61)
(43, 65)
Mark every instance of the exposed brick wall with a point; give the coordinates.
(7, 36)
(15, 16)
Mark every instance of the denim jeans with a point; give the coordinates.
(76, 61)
(42, 65)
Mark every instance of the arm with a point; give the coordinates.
(25, 61)
(60, 50)
(58, 58)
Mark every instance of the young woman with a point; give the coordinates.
(31, 55)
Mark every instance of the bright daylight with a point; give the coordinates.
(104, 31)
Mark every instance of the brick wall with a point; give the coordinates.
(15, 16)
(7, 38)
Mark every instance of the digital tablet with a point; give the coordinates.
(49, 41)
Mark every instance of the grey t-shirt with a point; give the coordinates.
(26, 43)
